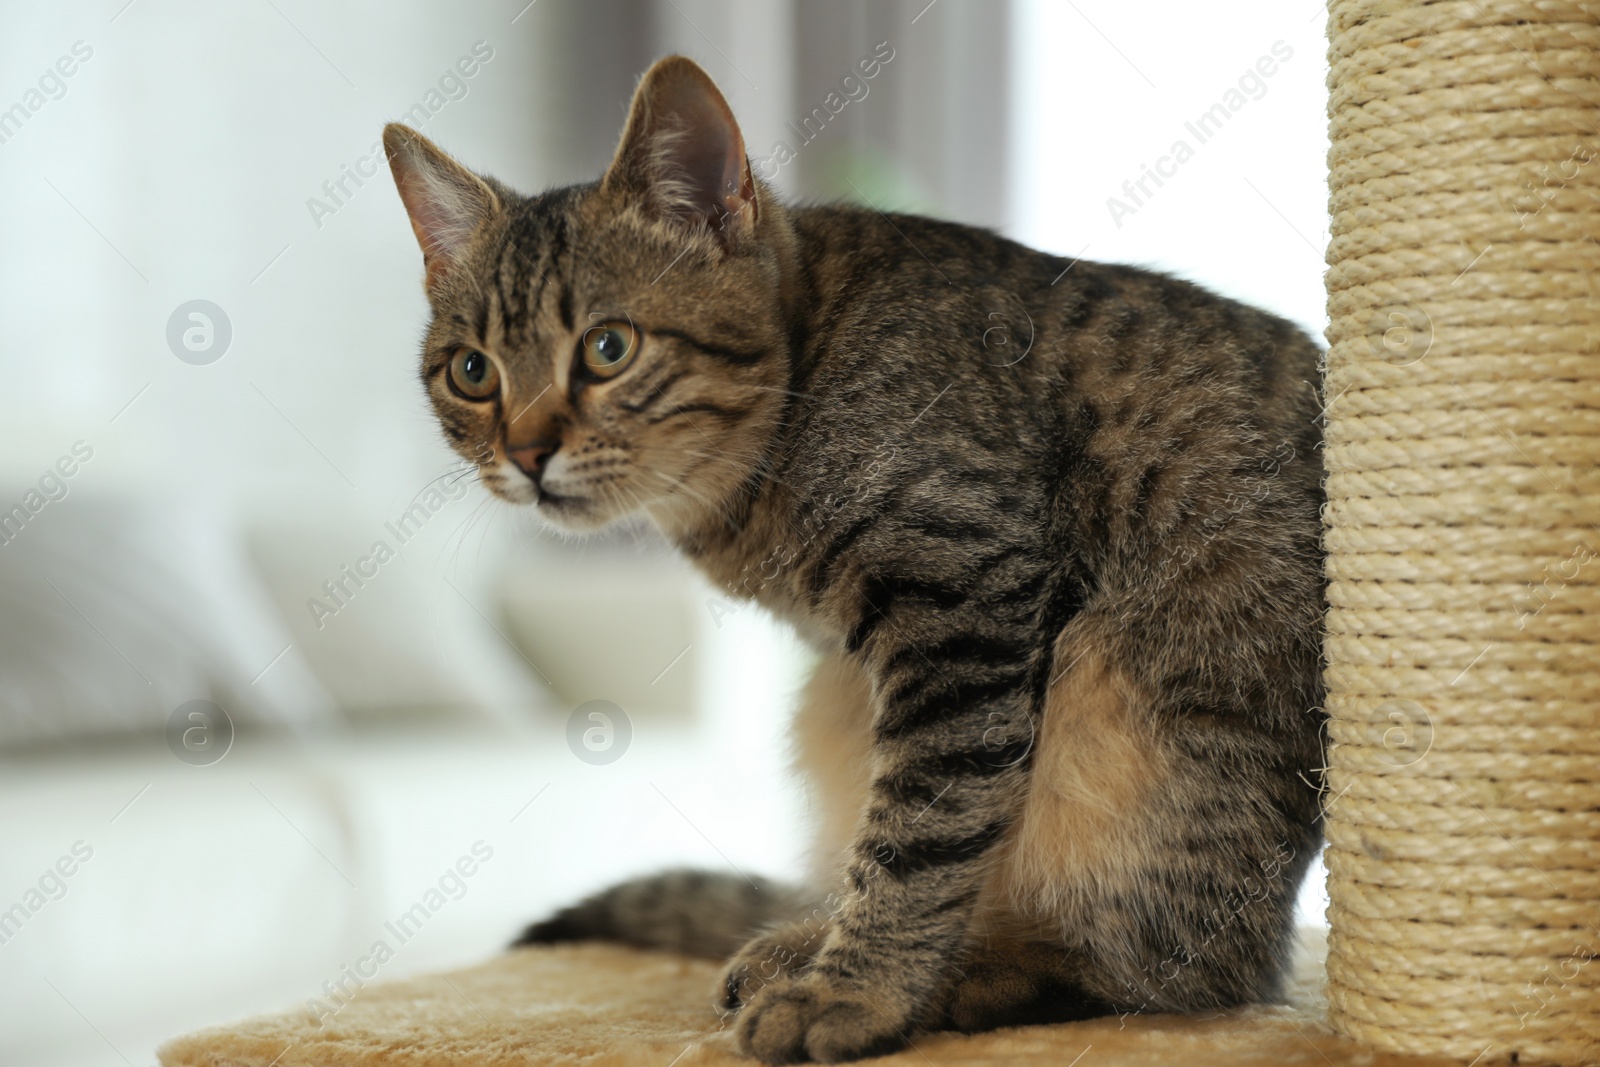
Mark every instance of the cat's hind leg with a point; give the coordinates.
(1007, 982)
(1164, 848)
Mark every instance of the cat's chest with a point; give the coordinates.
(768, 566)
(768, 583)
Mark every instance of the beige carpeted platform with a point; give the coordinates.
(606, 1006)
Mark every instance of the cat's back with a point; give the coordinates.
(1024, 325)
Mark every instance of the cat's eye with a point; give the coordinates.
(607, 349)
(473, 375)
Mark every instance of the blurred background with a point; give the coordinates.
(268, 667)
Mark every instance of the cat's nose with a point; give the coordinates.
(531, 458)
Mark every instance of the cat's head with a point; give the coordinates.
(614, 347)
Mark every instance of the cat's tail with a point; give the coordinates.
(694, 912)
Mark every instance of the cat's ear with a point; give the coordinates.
(446, 201)
(683, 153)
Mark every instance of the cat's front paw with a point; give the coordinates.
(815, 1017)
(784, 951)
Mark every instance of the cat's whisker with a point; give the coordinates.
(458, 535)
(453, 474)
(497, 507)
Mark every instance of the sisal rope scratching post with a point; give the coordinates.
(1463, 449)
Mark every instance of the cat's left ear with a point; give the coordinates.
(683, 153)
(446, 201)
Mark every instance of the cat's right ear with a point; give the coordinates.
(446, 201)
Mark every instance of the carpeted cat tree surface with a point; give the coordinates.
(608, 1006)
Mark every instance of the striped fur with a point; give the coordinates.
(1053, 526)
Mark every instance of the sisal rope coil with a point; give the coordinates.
(1463, 528)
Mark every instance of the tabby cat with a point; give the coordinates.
(1053, 526)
